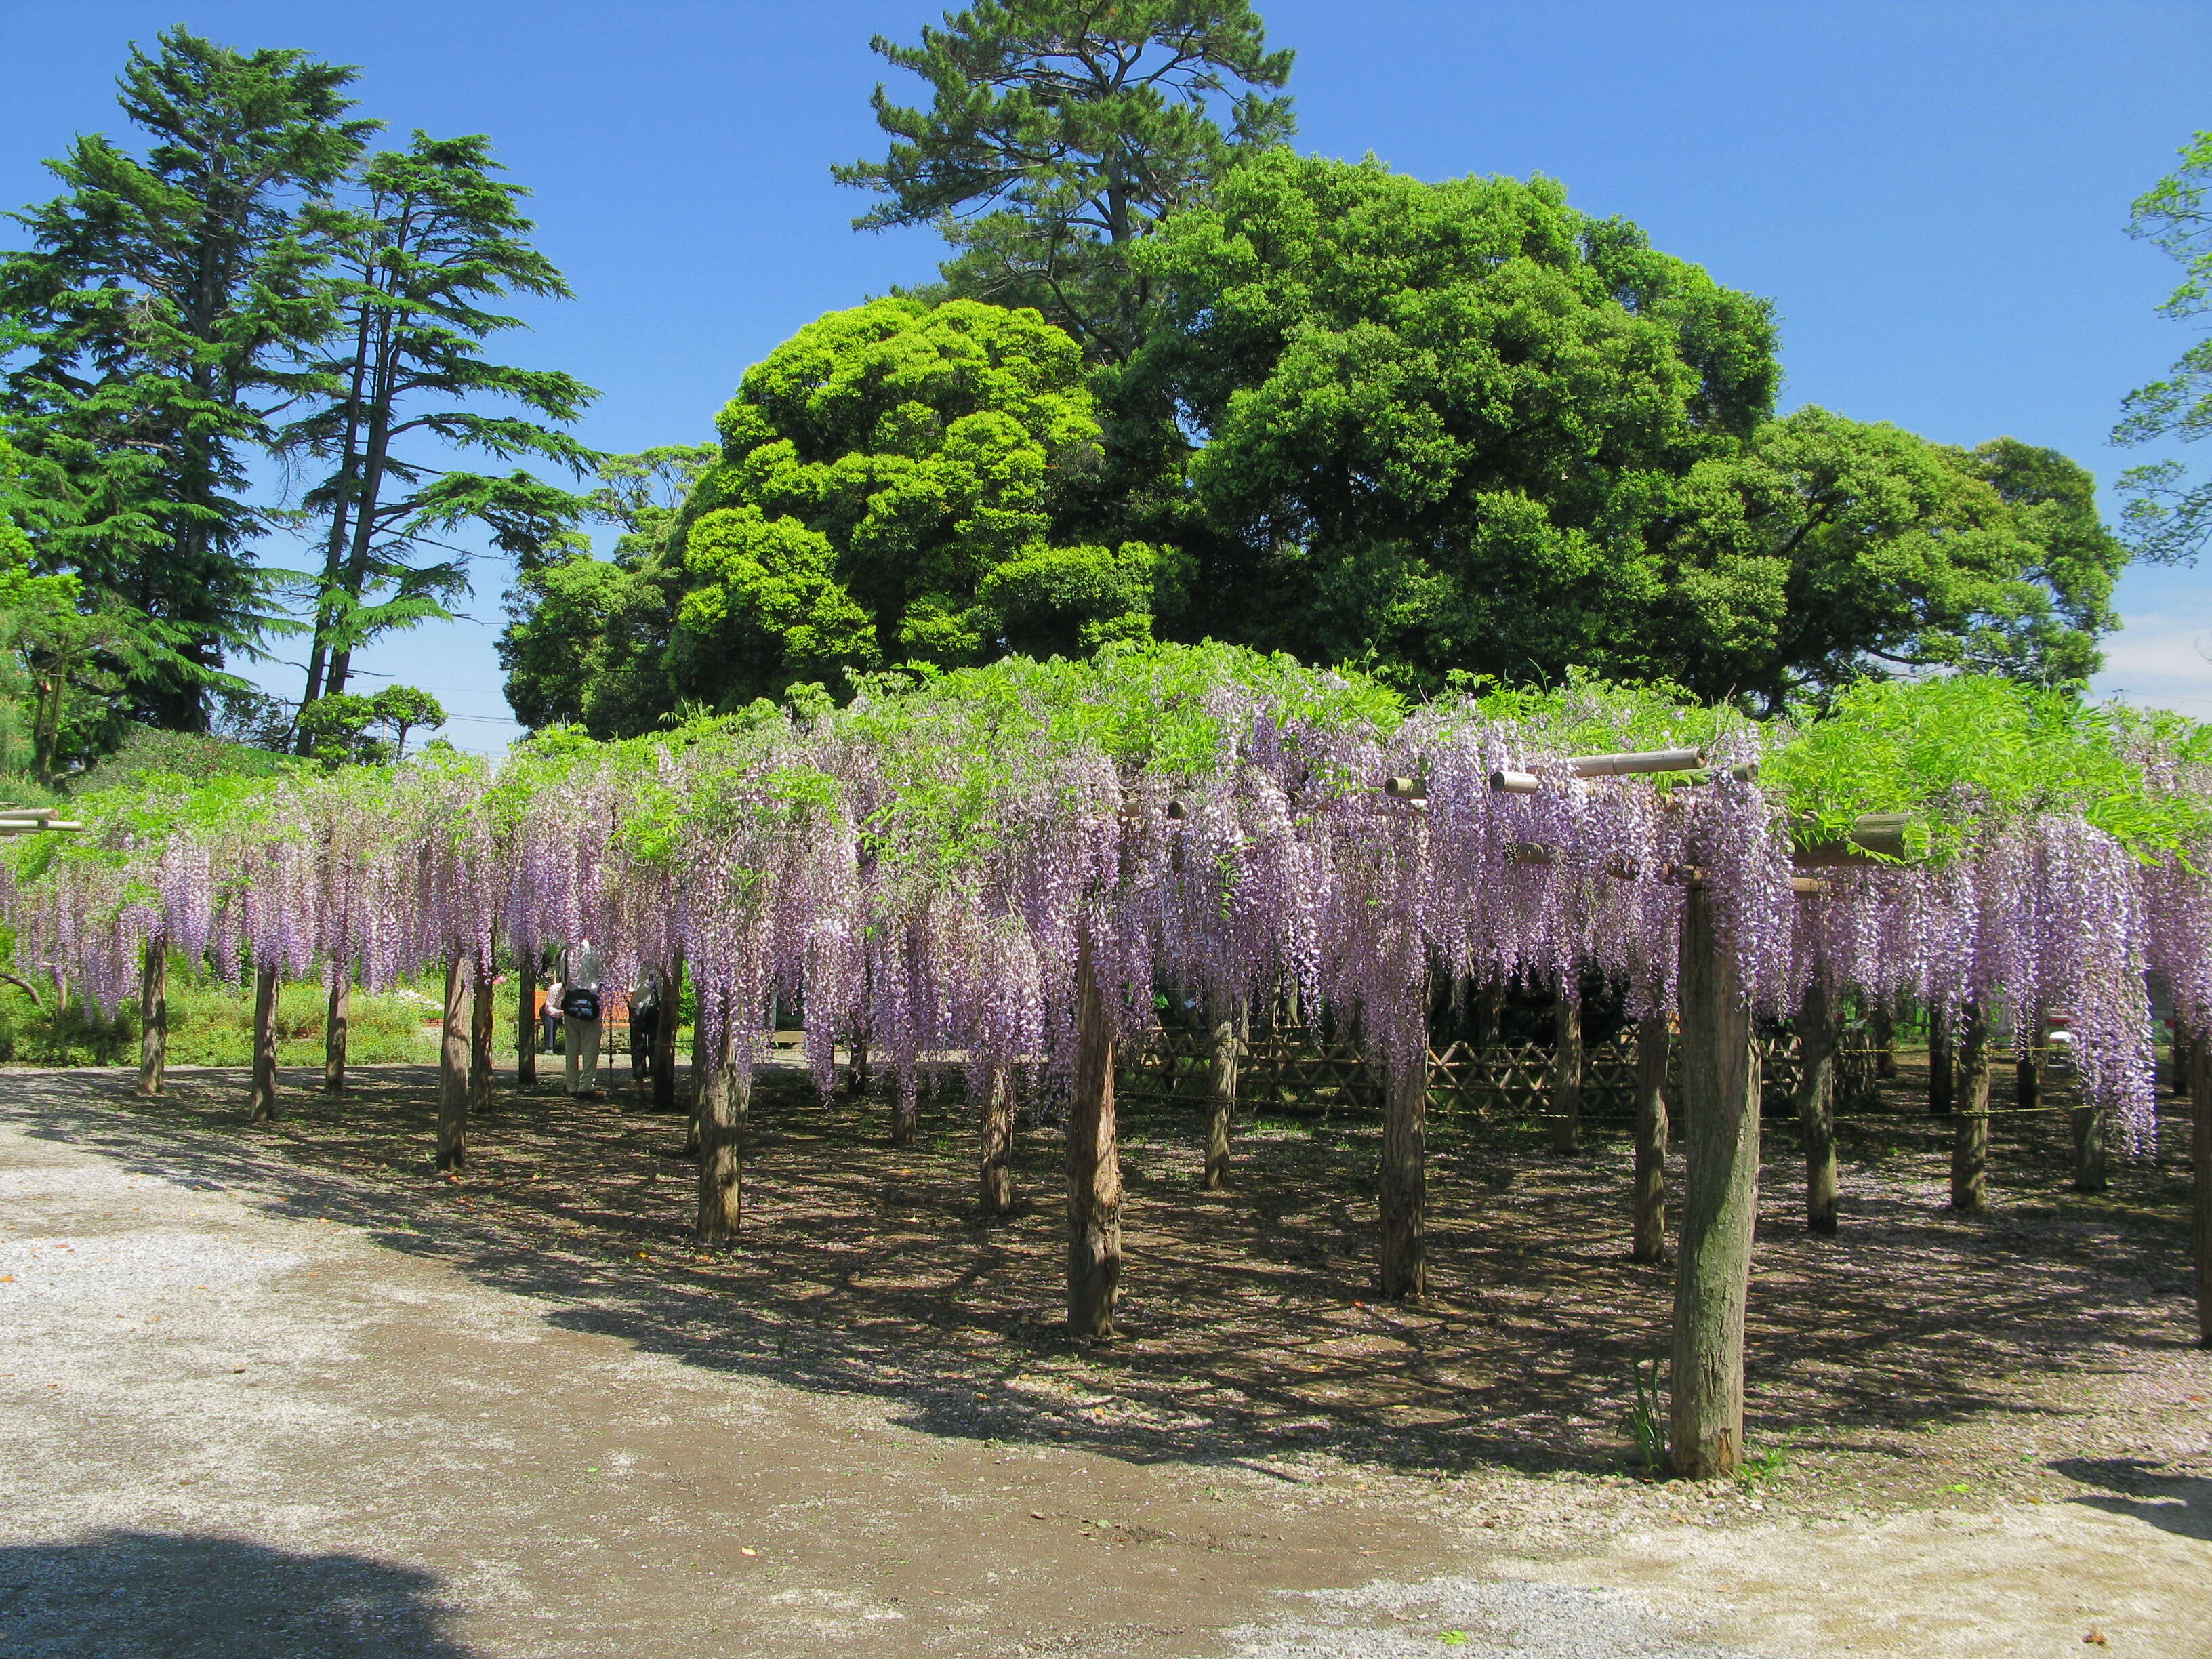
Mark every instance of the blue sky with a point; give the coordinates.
(1934, 195)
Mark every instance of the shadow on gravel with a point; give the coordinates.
(2179, 1504)
(865, 1270)
(141, 1595)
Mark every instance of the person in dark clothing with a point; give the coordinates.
(644, 1026)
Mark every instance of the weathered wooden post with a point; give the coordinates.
(2091, 1167)
(1942, 1082)
(1403, 1261)
(995, 1178)
(1565, 1088)
(664, 1035)
(526, 1023)
(453, 1064)
(724, 1101)
(264, 1045)
(1970, 1135)
(1647, 1226)
(337, 1026)
(154, 1016)
(2200, 1179)
(1221, 1093)
(1094, 1160)
(1816, 1104)
(1720, 1202)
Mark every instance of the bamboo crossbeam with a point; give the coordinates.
(1876, 833)
(20, 824)
(1635, 763)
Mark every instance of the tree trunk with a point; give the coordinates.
(906, 1115)
(337, 1022)
(154, 1016)
(1566, 1082)
(264, 1045)
(725, 1097)
(1941, 1084)
(1816, 1104)
(1970, 1136)
(1648, 1234)
(453, 1066)
(2200, 1178)
(1720, 1203)
(1094, 1162)
(996, 1189)
(1403, 1263)
(1882, 1026)
(2092, 1171)
(526, 1024)
(2027, 1068)
(1221, 1097)
(483, 1024)
(664, 1036)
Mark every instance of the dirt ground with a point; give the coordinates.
(285, 1391)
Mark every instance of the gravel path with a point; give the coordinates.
(252, 1409)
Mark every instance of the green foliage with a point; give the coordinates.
(1463, 427)
(160, 317)
(2167, 517)
(147, 752)
(211, 1024)
(1647, 1415)
(1059, 134)
(890, 488)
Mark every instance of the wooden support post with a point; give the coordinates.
(526, 1024)
(484, 1022)
(1648, 1234)
(2200, 1179)
(995, 1183)
(453, 1065)
(1817, 1029)
(1941, 1081)
(1720, 1203)
(2091, 1167)
(264, 1045)
(664, 1036)
(1970, 1136)
(1403, 1261)
(154, 1016)
(1221, 1091)
(1094, 1160)
(1565, 1090)
(725, 1101)
(337, 1026)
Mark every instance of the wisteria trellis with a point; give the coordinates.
(924, 864)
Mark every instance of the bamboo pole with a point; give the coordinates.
(995, 1177)
(1816, 1104)
(1648, 1227)
(1720, 1203)
(153, 1016)
(1094, 1160)
(724, 1104)
(1565, 1089)
(453, 1065)
(264, 1045)
(338, 1022)
(1970, 1134)
(1221, 1090)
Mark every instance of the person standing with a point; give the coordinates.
(580, 1018)
(644, 1026)
(549, 1016)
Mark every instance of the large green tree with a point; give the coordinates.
(894, 485)
(433, 243)
(2168, 517)
(1060, 133)
(1463, 427)
(163, 307)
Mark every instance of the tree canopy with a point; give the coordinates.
(2169, 517)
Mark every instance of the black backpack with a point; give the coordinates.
(581, 1003)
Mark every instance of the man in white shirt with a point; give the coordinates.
(580, 1022)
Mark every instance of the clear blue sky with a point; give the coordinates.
(1933, 194)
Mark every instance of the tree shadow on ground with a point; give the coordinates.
(1247, 1331)
(143, 1596)
(2178, 1504)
